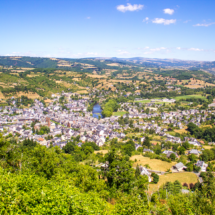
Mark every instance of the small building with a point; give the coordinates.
(144, 171)
(203, 165)
(147, 150)
(179, 167)
(194, 152)
(137, 146)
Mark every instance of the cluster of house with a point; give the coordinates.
(62, 123)
(75, 120)
(177, 118)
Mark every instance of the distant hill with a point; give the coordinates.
(91, 64)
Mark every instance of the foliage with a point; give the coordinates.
(43, 130)
(110, 107)
(155, 178)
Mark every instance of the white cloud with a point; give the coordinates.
(204, 24)
(122, 52)
(88, 17)
(28, 53)
(129, 7)
(187, 21)
(158, 49)
(179, 48)
(91, 54)
(164, 21)
(195, 49)
(146, 19)
(168, 11)
(148, 50)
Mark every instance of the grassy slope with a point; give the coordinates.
(184, 177)
(154, 164)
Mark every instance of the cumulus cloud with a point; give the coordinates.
(164, 21)
(129, 7)
(146, 19)
(204, 24)
(168, 11)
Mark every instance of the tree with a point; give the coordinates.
(131, 122)
(177, 187)
(147, 111)
(172, 157)
(155, 178)
(186, 145)
(29, 143)
(137, 171)
(69, 148)
(192, 158)
(146, 142)
(181, 150)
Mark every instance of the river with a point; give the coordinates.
(97, 110)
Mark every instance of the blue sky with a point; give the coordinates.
(182, 29)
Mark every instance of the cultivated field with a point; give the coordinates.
(153, 163)
(30, 95)
(1, 96)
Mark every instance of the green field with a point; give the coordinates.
(119, 113)
(176, 98)
(144, 101)
(149, 100)
(188, 97)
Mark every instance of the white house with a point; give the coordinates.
(203, 165)
(144, 171)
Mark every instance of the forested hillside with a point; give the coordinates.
(39, 180)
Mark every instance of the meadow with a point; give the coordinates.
(154, 164)
(183, 177)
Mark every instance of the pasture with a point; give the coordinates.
(188, 97)
(183, 177)
(154, 164)
(120, 113)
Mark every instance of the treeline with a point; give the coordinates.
(207, 134)
(23, 100)
(29, 62)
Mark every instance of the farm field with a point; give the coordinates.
(176, 98)
(183, 177)
(208, 147)
(119, 113)
(189, 96)
(181, 131)
(149, 100)
(1, 96)
(154, 164)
